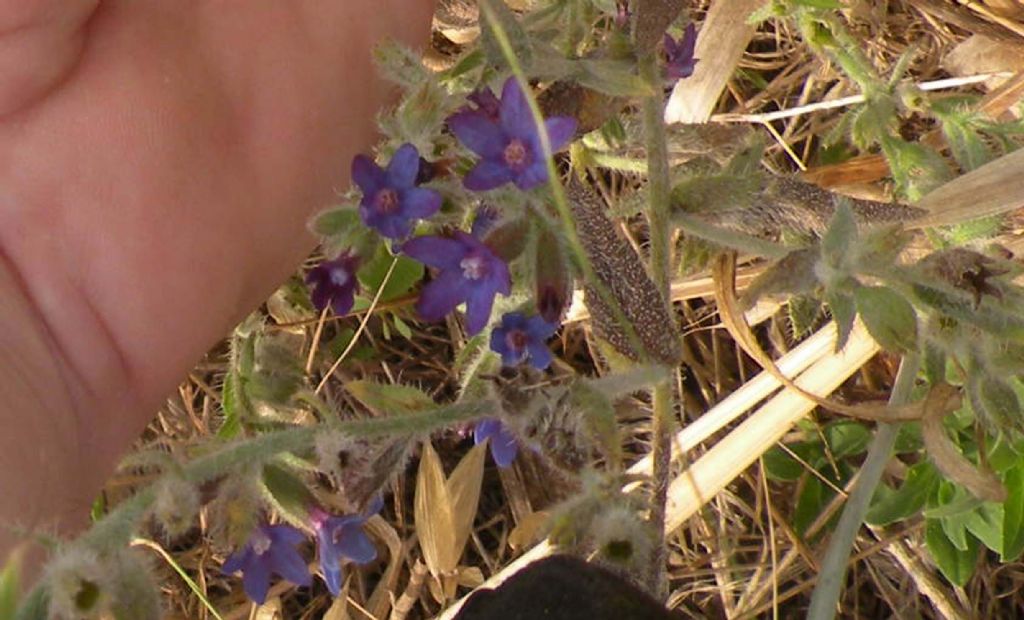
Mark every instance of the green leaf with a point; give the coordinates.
(496, 20)
(843, 311)
(934, 363)
(780, 465)
(617, 78)
(10, 585)
(809, 503)
(384, 399)
(1013, 515)
(230, 404)
(35, 607)
(999, 401)
(840, 238)
(828, 5)
(337, 221)
(599, 414)
(951, 500)
(956, 565)
(889, 318)
(405, 275)
(803, 314)
(908, 499)
(955, 529)
(986, 523)
(292, 497)
(400, 64)
(402, 327)
(792, 275)
(847, 438)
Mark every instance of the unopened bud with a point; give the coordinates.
(77, 584)
(176, 505)
(553, 278)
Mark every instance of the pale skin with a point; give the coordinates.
(159, 161)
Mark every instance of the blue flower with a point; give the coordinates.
(503, 443)
(469, 272)
(508, 145)
(519, 339)
(679, 62)
(391, 199)
(342, 537)
(334, 282)
(271, 549)
(486, 103)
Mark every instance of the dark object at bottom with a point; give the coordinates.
(564, 587)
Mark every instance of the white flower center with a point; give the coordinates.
(260, 542)
(472, 267)
(340, 276)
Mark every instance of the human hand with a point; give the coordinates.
(158, 163)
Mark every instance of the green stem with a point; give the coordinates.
(658, 187)
(115, 530)
(837, 557)
(660, 236)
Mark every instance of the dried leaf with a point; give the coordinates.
(433, 514)
(528, 531)
(981, 482)
(464, 491)
(724, 275)
(470, 577)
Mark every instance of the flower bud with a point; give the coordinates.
(78, 588)
(553, 278)
(176, 505)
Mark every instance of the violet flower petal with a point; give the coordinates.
(256, 582)
(504, 447)
(532, 177)
(560, 130)
(516, 117)
(368, 176)
(478, 133)
(290, 565)
(539, 354)
(403, 167)
(419, 203)
(487, 175)
(434, 251)
(442, 295)
(485, 429)
(356, 545)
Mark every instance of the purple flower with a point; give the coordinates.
(469, 272)
(486, 103)
(340, 537)
(271, 549)
(679, 55)
(503, 443)
(391, 199)
(334, 282)
(508, 145)
(519, 339)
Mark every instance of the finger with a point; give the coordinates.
(40, 41)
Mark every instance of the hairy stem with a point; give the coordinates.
(115, 530)
(662, 397)
(833, 567)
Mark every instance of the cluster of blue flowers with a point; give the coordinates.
(272, 549)
(506, 138)
(502, 132)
